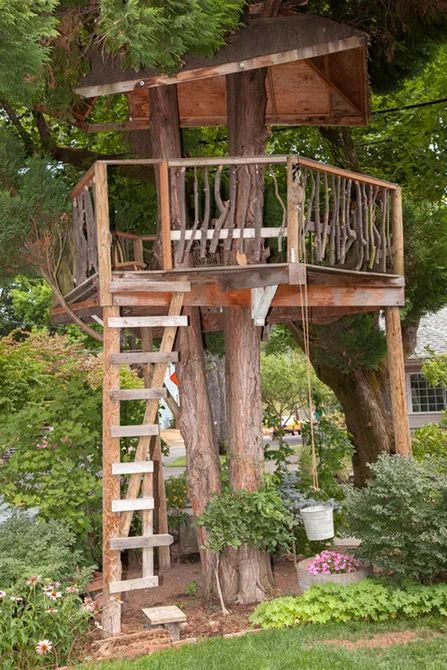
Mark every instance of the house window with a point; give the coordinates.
(426, 398)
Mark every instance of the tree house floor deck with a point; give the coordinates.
(330, 294)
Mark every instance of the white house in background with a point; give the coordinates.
(426, 403)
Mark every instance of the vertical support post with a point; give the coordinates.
(295, 210)
(402, 438)
(398, 232)
(111, 617)
(292, 214)
(396, 365)
(103, 234)
(165, 215)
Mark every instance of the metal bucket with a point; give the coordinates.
(318, 522)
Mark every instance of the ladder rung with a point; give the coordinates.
(140, 542)
(138, 394)
(140, 284)
(133, 584)
(134, 467)
(133, 504)
(142, 430)
(162, 321)
(142, 357)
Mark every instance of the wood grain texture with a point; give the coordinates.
(140, 542)
(131, 467)
(133, 584)
(139, 394)
(103, 234)
(111, 616)
(142, 430)
(396, 367)
(132, 505)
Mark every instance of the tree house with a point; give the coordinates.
(333, 246)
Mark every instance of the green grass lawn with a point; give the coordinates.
(303, 648)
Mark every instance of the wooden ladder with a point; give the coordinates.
(118, 509)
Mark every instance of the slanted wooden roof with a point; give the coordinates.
(316, 75)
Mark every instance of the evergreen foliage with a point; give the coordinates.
(159, 33)
(26, 28)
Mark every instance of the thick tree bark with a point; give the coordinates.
(247, 577)
(195, 420)
(196, 426)
(215, 375)
(364, 395)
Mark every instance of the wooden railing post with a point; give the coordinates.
(398, 232)
(165, 216)
(103, 234)
(396, 361)
(295, 205)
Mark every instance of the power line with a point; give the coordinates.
(390, 110)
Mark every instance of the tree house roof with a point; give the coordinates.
(316, 75)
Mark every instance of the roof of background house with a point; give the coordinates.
(432, 335)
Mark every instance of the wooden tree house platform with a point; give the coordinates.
(340, 236)
(327, 243)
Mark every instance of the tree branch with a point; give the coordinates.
(15, 121)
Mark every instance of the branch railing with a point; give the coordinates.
(304, 211)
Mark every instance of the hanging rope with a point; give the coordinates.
(304, 301)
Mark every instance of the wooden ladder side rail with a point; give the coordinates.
(158, 485)
(396, 361)
(158, 376)
(111, 616)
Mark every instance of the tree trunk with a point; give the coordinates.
(248, 577)
(365, 398)
(195, 420)
(215, 375)
(196, 426)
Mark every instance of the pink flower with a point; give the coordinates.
(44, 647)
(2, 595)
(16, 599)
(332, 562)
(32, 581)
(71, 589)
(42, 445)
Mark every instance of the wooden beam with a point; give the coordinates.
(104, 239)
(140, 542)
(398, 232)
(261, 300)
(165, 215)
(111, 614)
(286, 296)
(194, 74)
(396, 367)
(133, 584)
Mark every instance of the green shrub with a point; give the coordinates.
(368, 600)
(431, 440)
(259, 519)
(50, 414)
(36, 547)
(401, 518)
(41, 612)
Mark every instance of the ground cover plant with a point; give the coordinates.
(368, 600)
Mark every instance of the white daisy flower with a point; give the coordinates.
(44, 647)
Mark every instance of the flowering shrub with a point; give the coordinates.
(40, 623)
(333, 563)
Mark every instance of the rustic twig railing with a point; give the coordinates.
(331, 217)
